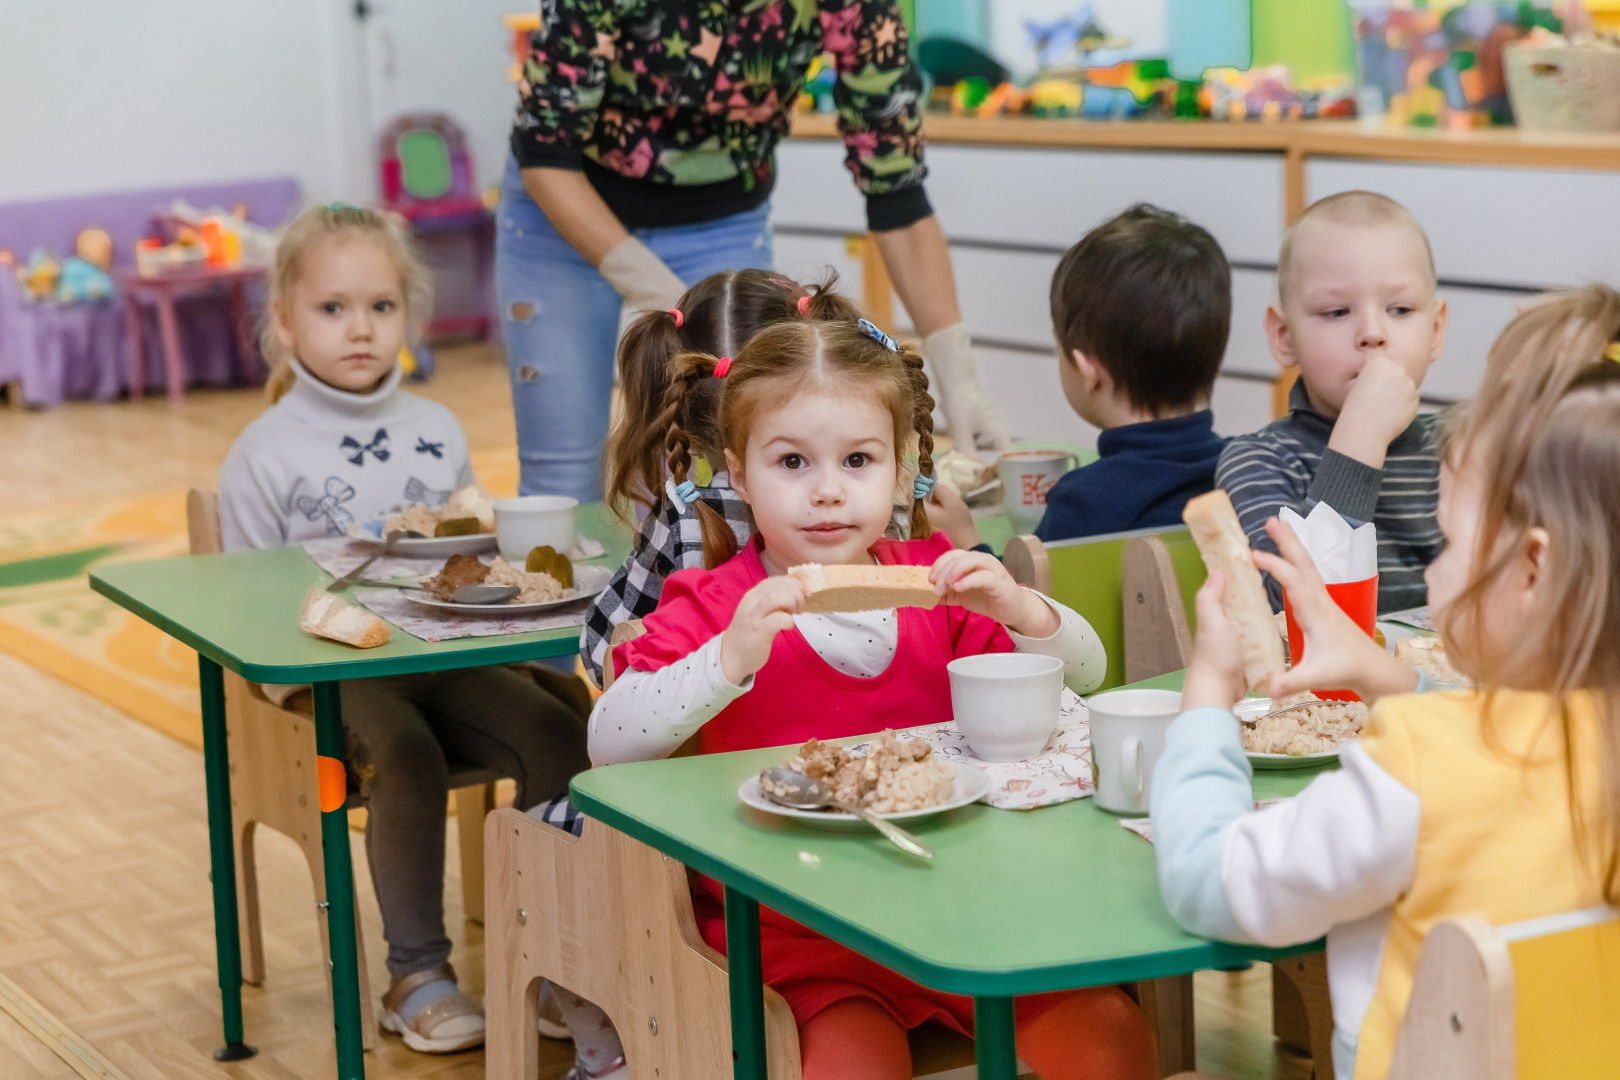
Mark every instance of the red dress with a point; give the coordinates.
(796, 696)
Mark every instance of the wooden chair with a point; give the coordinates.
(273, 783)
(1534, 999)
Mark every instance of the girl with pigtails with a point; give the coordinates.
(716, 316)
(810, 419)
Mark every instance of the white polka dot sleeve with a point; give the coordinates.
(1085, 661)
(648, 714)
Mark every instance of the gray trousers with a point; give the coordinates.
(402, 732)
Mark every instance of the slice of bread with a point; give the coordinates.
(1428, 655)
(324, 615)
(1225, 548)
(864, 588)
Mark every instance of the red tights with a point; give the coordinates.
(1095, 1034)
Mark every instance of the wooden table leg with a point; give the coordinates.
(1168, 1006)
(1308, 973)
(137, 344)
(170, 332)
(222, 860)
(340, 912)
(747, 987)
(994, 1040)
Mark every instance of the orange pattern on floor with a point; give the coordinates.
(57, 624)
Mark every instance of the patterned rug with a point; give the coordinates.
(51, 619)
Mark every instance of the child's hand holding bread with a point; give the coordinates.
(764, 611)
(979, 583)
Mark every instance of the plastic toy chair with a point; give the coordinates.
(427, 178)
(273, 783)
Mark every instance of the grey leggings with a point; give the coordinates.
(401, 732)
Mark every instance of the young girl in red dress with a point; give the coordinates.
(815, 417)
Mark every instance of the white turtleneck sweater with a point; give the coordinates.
(321, 458)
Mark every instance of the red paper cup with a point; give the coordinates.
(1357, 599)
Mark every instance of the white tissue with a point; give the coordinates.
(1341, 554)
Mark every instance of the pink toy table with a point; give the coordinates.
(161, 291)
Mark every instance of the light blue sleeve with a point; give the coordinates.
(1201, 786)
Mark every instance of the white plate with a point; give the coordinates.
(1256, 707)
(588, 581)
(433, 547)
(970, 786)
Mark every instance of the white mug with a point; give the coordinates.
(530, 521)
(1026, 477)
(1006, 704)
(1127, 740)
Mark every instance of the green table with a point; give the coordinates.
(1013, 903)
(240, 611)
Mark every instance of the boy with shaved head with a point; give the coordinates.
(1358, 314)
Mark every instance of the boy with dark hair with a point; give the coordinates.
(1141, 307)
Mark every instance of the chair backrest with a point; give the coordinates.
(1158, 624)
(202, 522)
(1088, 575)
(1534, 999)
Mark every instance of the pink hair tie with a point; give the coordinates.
(723, 366)
(804, 306)
(675, 313)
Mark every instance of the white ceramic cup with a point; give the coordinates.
(1006, 703)
(1127, 740)
(530, 521)
(1026, 477)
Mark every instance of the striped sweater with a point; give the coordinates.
(1287, 463)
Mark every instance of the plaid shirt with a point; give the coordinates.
(669, 541)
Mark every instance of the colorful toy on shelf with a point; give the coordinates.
(39, 275)
(85, 274)
(1439, 62)
(184, 236)
(819, 79)
(1270, 94)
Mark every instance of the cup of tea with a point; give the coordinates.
(1026, 477)
(1006, 704)
(529, 521)
(1127, 740)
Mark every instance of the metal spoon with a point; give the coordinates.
(1251, 721)
(467, 594)
(797, 791)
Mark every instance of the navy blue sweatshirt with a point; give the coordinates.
(1144, 475)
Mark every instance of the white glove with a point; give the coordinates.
(969, 416)
(641, 277)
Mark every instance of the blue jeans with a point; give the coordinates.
(560, 321)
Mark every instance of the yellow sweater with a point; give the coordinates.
(1495, 834)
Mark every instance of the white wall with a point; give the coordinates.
(100, 95)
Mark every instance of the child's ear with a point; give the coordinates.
(284, 334)
(1277, 336)
(734, 472)
(1442, 319)
(1537, 544)
(1091, 372)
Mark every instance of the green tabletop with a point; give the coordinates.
(1015, 902)
(241, 611)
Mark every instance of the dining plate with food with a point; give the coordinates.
(896, 778)
(546, 580)
(462, 523)
(1297, 732)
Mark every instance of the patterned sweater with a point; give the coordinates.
(673, 108)
(1287, 463)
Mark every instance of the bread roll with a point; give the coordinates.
(324, 615)
(864, 588)
(1428, 655)
(1225, 548)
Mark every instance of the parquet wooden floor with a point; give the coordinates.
(104, 901)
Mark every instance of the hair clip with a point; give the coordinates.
(335, 207)
(682, 495)
(721, 366)
(870, 330)
(1612, 352)
(675, 313)
(923, 486)
(804, 305)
